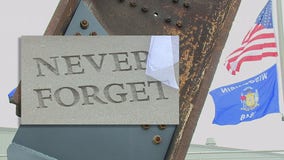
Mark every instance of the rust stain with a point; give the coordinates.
(197, 46)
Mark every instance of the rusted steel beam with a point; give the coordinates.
(203, 27)
(198, 68)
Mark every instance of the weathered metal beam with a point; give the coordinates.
(198, 69)
(203, 27)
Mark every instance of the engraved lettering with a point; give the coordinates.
(41, 97)
(121, 64)
(91, 60)
(140, 59)
(71, 66)
(110, 98)
(135, 90)
(53, 69)
(90, 91)
(75, 94)
(159, 88)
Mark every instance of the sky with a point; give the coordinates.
(31, 17)
(262, 134)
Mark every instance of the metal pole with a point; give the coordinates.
(280, 30)
(280, 45)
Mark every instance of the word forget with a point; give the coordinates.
(92, 80)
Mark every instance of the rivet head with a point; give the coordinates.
(144, 9)
(132, 4)
(162, 127)
(168, 20)
(179, 23)
(93, 34)
(77, 34)
(186, 4)
(175, 1)
(155, 14)
(84, 24)
(157, 139)
(145, 126)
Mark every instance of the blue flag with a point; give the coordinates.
(11, 94)
(247, 100)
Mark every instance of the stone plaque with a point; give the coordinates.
(92, 80)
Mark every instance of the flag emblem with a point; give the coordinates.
(249, 99)
(258, 43)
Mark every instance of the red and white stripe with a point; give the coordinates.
(257, 44)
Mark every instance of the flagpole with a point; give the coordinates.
(280, 42)
(280, 29)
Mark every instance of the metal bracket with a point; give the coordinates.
(82, 13)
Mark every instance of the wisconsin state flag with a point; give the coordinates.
(247, 100)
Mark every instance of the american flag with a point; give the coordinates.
(258, 43)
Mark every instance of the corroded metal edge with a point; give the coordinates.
(61, 17)
(184, 132)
